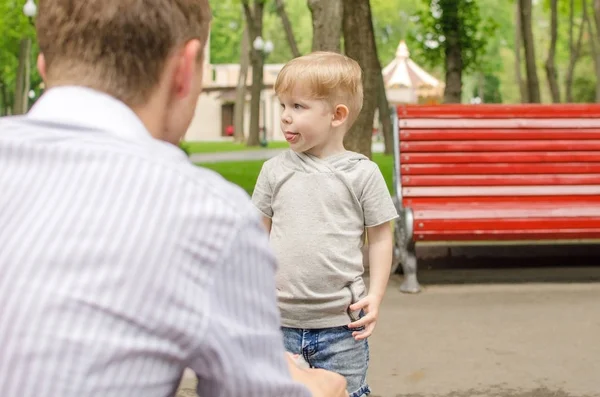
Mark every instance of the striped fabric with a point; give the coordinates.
(121, 264)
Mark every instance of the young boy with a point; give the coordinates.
(317, 200)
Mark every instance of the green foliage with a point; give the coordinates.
(436, 19)
(584, 89)
(14, 26)
(392, 23)
(229, 22)
(226, 31)
(301, 20)
(487, 27)
(491, 89)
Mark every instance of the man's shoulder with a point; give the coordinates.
(204, 186)
(157, 165)
(212, 185)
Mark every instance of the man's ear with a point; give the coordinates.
(41, 65)
(340, 115)
(186, 68)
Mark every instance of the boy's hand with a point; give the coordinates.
(370, 305)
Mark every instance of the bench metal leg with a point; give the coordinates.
(408, 259)
(405, 255)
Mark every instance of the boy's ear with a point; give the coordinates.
(41, 65)
(340, 115)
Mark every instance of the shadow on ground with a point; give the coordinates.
(511, 265)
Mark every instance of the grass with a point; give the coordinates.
(245, 173)
(192, 147)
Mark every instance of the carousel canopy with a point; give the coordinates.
(403, 72)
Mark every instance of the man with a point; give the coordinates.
(121, 263)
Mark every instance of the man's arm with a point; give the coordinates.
(321, 383)
(267, 222)
(241, 350)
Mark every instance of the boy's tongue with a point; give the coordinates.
(291, 136)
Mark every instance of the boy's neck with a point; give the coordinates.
(328, 149)
(334, 145)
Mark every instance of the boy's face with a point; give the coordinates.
(306, 123)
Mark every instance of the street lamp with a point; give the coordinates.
(264, 48)
(23, 69)
(30, 9)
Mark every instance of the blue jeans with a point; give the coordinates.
(333, 349)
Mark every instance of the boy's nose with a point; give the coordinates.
(285, 117)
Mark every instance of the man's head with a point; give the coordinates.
(321, 95)
(147, 54)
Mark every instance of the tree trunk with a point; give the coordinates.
(481, 86)
(533, 84)
(287, 27)
(594, 44)
(385, 116)
(8, 101)
(3, 98)
(596, 9)
(254, 19)
(327, 23)
(240, 92)
(551, 73)
(574, 49)
(23, 75)
(453, 52)
(594, 50)
(359, 42)
(518, 62)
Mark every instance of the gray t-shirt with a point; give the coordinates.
(319, 210)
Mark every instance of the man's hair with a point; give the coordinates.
(328, 76)
(119, 47)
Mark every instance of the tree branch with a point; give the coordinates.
(287, 27)
(249, 19)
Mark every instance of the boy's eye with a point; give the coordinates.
(297, 106)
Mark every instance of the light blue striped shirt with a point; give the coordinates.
(121, 263)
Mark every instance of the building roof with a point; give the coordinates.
(404, 72)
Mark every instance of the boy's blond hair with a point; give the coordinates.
(119, 47)
(329, 76)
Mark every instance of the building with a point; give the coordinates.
(215, 109)
(404, 80)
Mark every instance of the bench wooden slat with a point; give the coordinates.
(496, 134)
(499, 111)
(490, 169)
(500, 146)
(491, 224)
(501, 180)
(499, 123)
(494, 157)
(524, 234)
(499, 191)
(529, 201)
(500, 208)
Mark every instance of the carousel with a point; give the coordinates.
(406, 82)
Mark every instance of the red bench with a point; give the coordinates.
(470, 174)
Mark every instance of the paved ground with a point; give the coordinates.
(534, 339)
(245, 155)
(242, 155)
